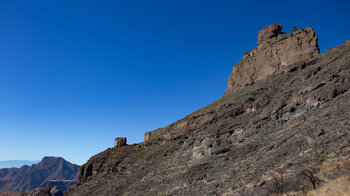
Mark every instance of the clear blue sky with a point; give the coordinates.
(76, 74)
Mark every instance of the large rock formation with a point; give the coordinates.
(275, 51)
(258, 140)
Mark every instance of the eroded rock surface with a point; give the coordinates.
(274, 52)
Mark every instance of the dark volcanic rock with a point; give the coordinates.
(249, 139)
(50, 169)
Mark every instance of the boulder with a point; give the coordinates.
(120, 141)
(273, 30)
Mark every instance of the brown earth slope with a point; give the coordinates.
(275, 135)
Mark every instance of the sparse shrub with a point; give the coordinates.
(310, 176)
(309, 173)
(277, 184)
(294, 28)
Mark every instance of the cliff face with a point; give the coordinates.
(275, 51)
(289, 120)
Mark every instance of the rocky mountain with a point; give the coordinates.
(281, 127)
(49, 172)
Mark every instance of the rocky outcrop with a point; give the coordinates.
(296, 118)
(120, 141)
(275, 51)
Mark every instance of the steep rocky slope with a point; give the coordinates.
(271, 134)
(50, 171)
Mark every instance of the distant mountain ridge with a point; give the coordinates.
(50, 171)
(16, 163)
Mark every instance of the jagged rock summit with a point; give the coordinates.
(275, 50)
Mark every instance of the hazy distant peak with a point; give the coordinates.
(16, 163)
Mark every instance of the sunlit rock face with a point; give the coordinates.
(275, 50)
